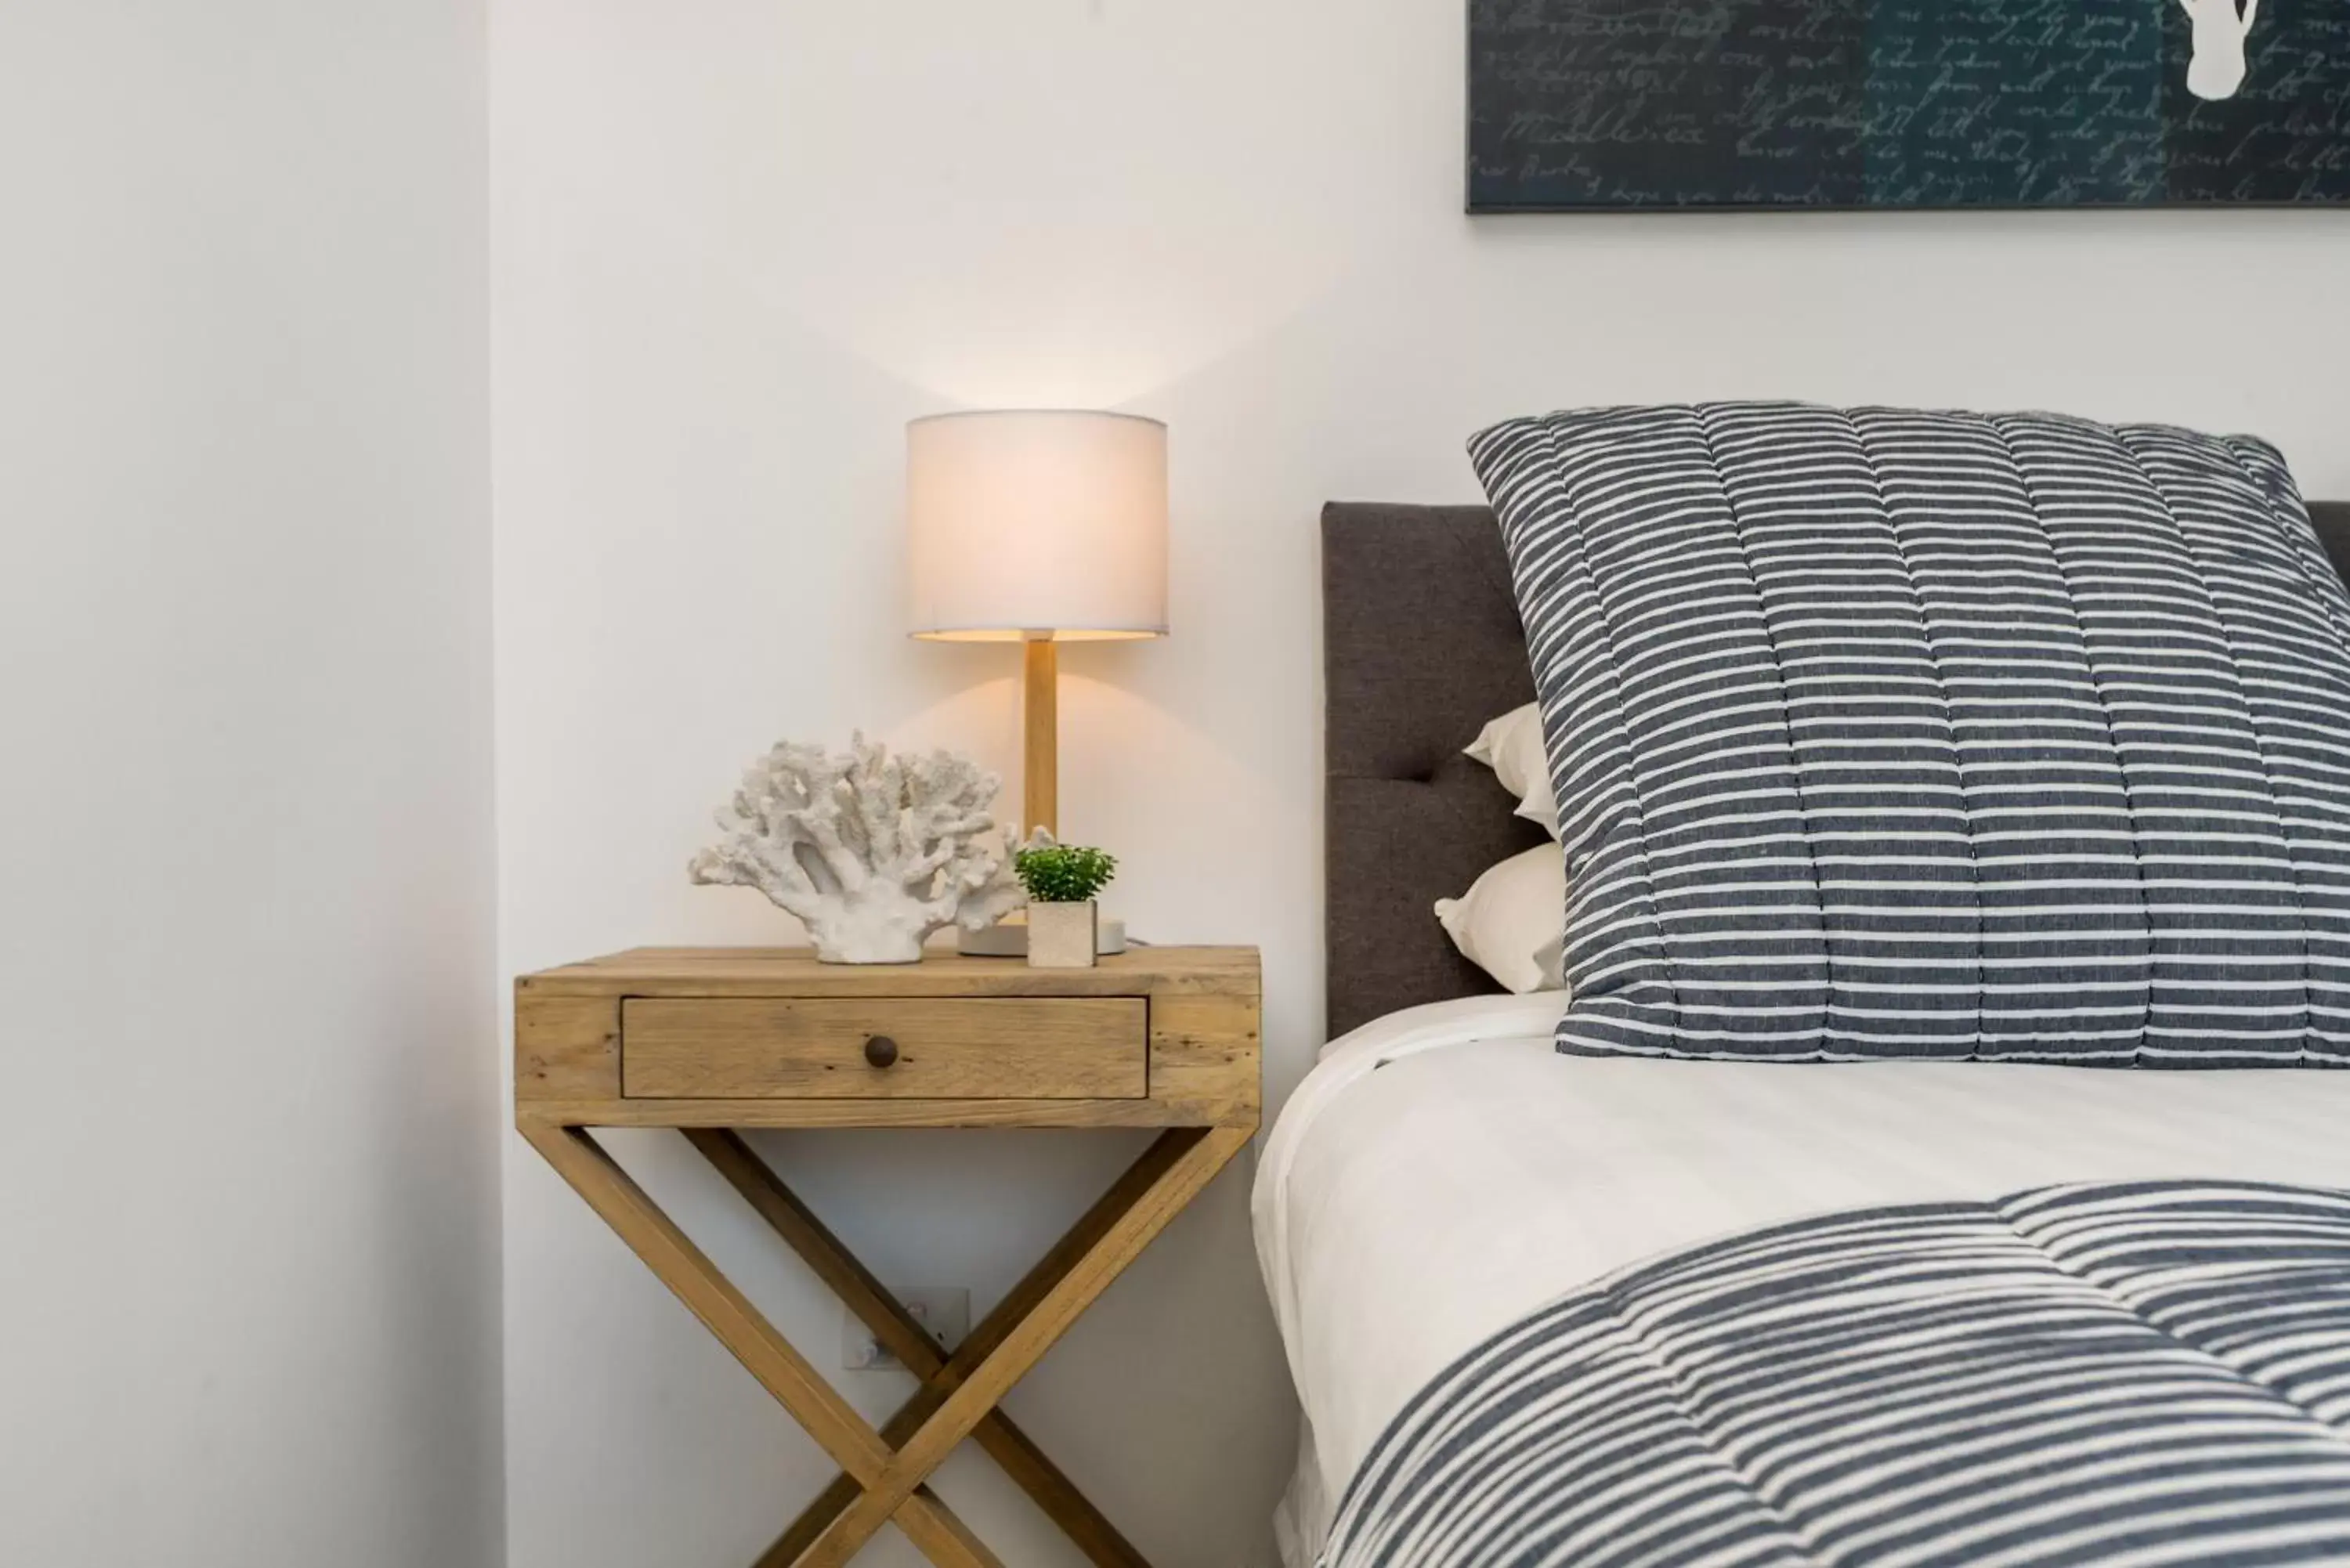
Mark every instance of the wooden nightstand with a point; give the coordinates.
(713, 1040)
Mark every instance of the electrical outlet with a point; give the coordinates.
(943, 1311)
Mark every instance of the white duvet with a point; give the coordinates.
(1444, 1171)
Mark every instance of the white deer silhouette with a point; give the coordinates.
(2217, 67)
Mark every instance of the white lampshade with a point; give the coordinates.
(1028, 523)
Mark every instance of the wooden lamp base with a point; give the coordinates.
(1040, 798)
(1008, 938)
(1039, 780)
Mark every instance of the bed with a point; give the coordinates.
(1444, 1172)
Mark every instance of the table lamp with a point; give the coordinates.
(1038, 527)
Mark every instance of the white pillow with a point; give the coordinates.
(1511, 746)
(1511, 923)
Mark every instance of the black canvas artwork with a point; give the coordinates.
(1580, 104)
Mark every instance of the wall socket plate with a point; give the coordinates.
(944, 1311)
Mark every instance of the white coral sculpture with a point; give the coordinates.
(872, 852)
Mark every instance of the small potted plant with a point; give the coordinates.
(1062, 879)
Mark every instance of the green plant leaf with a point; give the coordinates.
(1063, 873)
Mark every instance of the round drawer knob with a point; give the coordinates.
(881, 1051)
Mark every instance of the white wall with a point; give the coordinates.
(247, 1187)
(739, 241)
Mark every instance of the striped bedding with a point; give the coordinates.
(2118, 1373)
(1880, 733)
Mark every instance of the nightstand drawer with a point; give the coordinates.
(946, 1048)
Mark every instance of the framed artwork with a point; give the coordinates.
(1619, 104)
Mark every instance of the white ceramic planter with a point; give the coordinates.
(1061, 936)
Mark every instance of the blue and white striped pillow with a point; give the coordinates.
(1880, 733)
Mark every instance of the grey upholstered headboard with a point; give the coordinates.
(1420, 645)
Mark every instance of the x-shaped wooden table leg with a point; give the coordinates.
(905, 1338)
(885, 1472)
